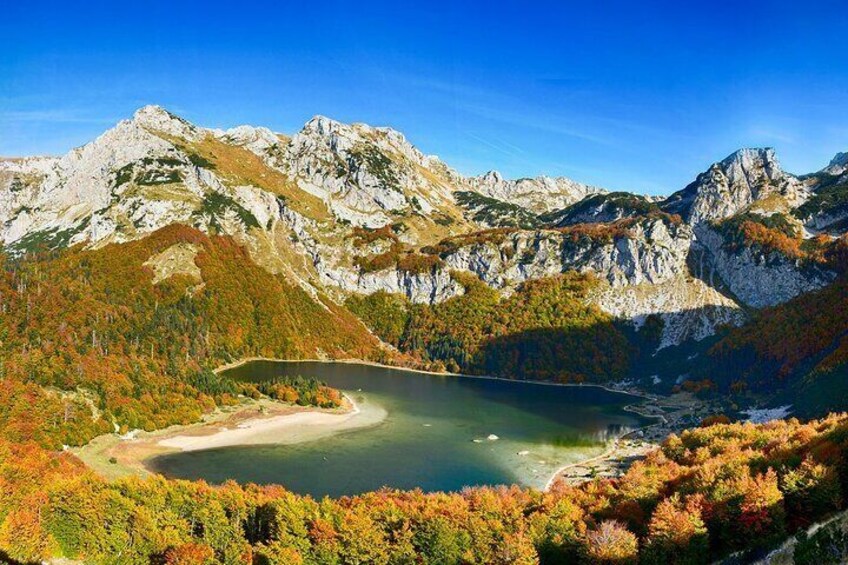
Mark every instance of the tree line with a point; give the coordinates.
(704, 494)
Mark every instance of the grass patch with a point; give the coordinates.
(239, 166)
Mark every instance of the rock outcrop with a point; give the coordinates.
(838, 166)
(296, 202)
(539, 195)
(727, 187)
(757, 278)
(366, 173)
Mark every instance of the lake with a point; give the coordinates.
(435, 432)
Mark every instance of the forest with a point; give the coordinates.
(704, 494)
(802, 338)
(545, 330)
(303, 391)
(98, 340)
(88, 344)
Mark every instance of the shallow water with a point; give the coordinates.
(434, 435)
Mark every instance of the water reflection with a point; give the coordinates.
(435, 435)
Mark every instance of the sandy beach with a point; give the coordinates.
(283, 429)
(266, 422)
(260, 422)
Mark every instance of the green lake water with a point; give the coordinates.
(433, 434)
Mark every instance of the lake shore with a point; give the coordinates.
(670, 413)
(352, 361)
(265, 422)
(252, 422)
(674, 413)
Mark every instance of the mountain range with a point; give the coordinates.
(345, 212)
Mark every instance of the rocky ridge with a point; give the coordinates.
(295, 201)
(539, 195)
(727, 187)
(838, 165)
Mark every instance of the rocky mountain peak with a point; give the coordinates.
(321, 125)
(159, 120)
(491, 178)
(152, 112)
(340, 137)
(740, 179)
(365, 174)
(539, 195)
(260, 140)
(752, 166)
(751, 154)
(838, 165)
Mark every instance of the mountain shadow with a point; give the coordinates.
(592, 353)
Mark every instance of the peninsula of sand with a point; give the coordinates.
(252, 422)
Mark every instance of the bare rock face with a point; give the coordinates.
(838, 165)
(728, 186)
(294, 203)
(651, 251)
(760, 279)
(689, 308)
(422, 288)
(539, 195)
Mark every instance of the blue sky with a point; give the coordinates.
(627, 95)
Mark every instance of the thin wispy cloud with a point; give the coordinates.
(51, 116)
(568, 118)
(498, 145)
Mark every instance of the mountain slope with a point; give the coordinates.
(741, 179)
(130, 332)
(340, 209)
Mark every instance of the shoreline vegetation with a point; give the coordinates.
(252, 422)
(271, 422)
(353, 361)
(673, 414)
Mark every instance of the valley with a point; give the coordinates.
(137, 265)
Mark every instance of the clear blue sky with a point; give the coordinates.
(628, 95)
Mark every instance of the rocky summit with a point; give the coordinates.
(350, 209)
